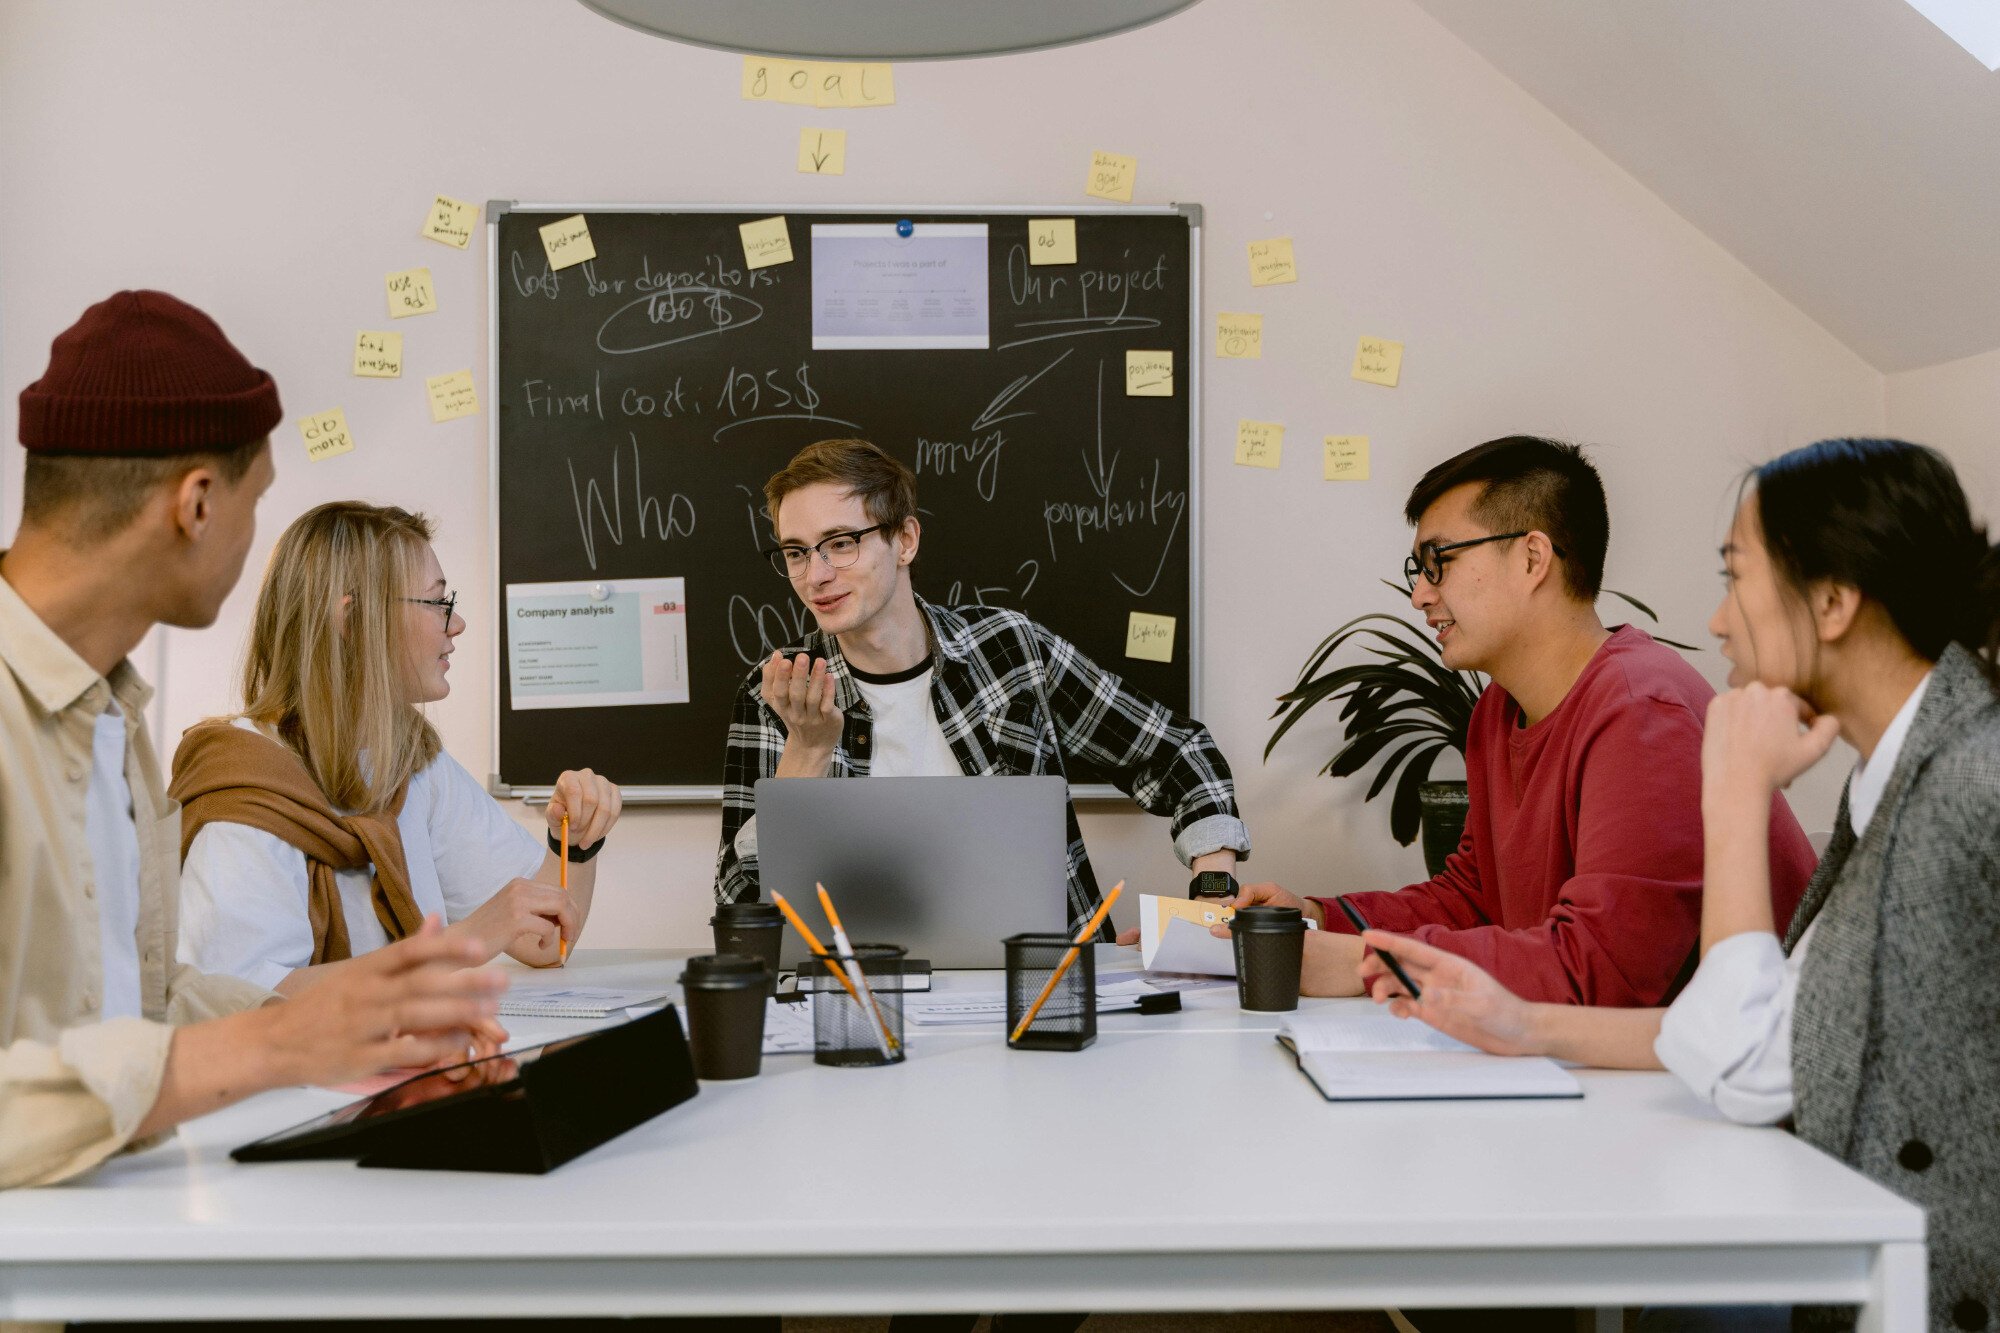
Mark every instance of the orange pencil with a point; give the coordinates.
(854, 971)
(562, 945)
(1082, 938)
(812, 942)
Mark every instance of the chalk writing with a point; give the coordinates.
(671, 518)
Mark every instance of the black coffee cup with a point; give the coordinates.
(725, 1009)
(756, 930)
(1270, 945)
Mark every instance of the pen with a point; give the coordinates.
(562, 945)
(1387, 957)
(854, 970)
(1075, 950)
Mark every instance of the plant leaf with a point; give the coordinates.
(1391, 764)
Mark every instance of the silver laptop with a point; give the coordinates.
(947, 867)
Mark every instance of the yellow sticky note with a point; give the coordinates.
(1378, 361)
(1271, 262)
(451, 221)
(566, 241)
(823, 152)
(410, 293)
(452, 395)
(1239, 335)
(766, 243)
(854, 85)
(770, 80)
(378, 355)
(1051, 240)
(1149, 374)
(1150, 638)
(1258, 443)
(1112, 176)
(326, 435)
(1347, 458)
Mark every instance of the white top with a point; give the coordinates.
(1729, 1034)
(908, 741)
(243, 891)
(114, 864)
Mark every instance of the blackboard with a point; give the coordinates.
(641, 399)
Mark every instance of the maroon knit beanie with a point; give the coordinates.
(146, 374)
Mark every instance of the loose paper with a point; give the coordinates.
(823, 152)
(1051, 240)
(452, 395)
(567, 241)
(1378, 361)
(788, 81)
(1150, 638)
(410, 293)
(854, 85)
(1259, 443)
(1271, 262)
(1112, 176)
(1149, 374)
(597, 645)
(766, 242)
(451, 221)
(1239, 336)
(378, 355)
(872, 288)
(326, 435)
(1173, 936)
(1347, 458)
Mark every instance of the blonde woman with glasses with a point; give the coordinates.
(325, 820)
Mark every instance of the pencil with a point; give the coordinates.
(1075, 950)
(842, 943)
(812, 943)
(562, 945)
(1360, 923)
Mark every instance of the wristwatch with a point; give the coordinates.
(1212, 884)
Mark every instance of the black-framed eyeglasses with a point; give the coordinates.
(447, 604)
(1430, 557)
(839, 551)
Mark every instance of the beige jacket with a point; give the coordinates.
(73, 1088)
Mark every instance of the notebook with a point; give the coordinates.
(575, 1001)
(1376, 1057)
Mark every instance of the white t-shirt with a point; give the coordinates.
(114, 865)
(243, 891)
(908, 741)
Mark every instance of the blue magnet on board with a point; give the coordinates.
(904, 228)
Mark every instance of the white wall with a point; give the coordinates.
(1956, 407)
(272, 162)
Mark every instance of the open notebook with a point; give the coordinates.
(1375, 1057)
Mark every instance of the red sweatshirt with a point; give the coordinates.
(1578, 879)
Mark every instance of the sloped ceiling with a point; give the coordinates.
(1847, 151)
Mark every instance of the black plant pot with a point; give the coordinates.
(1444, 806)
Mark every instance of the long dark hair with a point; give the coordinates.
(1889, 518)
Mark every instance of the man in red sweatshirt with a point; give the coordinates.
(1578, 879)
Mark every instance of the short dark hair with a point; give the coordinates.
(90, 497)
(888, 490)
(1532, 484)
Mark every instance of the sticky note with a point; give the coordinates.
(326, 435)
(1347, 458)
(823, 152)
(1149, 374)
(1271, 262)
(771, 80)
(452, 395)
(1258, 443)
(1150, 638)
(1112, 176)
(853, 85)
(378, 355)
(1238, 335)
(1378, 361)
(451, 221)
(766, 243)
(567, 241)
(410, 293)
(1051, 240)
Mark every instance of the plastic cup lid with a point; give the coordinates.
(724, 969)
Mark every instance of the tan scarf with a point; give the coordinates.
(229, 774)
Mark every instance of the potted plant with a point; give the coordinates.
(1404, 697)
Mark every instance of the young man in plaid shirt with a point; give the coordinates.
(893, 686)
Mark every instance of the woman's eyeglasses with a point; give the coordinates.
(447, 604)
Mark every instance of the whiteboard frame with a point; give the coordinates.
(1095, 793)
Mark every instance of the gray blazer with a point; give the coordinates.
(1896, 1032)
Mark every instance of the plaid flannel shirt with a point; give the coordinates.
(1011, 698)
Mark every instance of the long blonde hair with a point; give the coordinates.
(330, 682)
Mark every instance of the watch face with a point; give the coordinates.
(1213, 884)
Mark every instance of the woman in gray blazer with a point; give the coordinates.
(1862, 601)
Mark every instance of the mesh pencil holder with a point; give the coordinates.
(1067, 1018)
(864, 1031)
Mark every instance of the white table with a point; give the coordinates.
(1180, 1163)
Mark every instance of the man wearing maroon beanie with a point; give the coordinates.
(148, 448)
